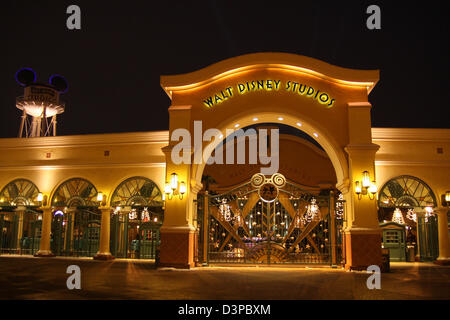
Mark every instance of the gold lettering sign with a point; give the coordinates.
(269, 85)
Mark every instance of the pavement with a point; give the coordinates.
(24, 278)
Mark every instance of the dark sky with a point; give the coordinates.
(114, 62)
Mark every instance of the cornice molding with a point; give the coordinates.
(86, 140)
(432, 163)
(86, 166)
(410, 134)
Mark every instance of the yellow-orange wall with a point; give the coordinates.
(414, 152)
(130, 154)
(402, 152)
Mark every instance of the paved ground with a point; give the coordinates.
(45, 278)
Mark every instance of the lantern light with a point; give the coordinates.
(357, 187)
(366, 179)
(366, 187)
(446, 199)
(40, 197)
(182, 189)
(174, 181)
(100, 196)
(373, 188)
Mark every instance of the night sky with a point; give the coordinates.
(114, 62)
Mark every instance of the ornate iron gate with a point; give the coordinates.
(76, 232)
(269, 221)
(135, 234)
(20, 232)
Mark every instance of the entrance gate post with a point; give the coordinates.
(362, 232)
(205, 228)
(104, 252)
(177, 231)
(332, 206)
(444, 245)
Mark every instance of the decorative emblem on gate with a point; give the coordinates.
(268, 188)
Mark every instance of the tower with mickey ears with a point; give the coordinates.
(40, 104)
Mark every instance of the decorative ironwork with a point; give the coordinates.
(398, 216)
(20, 192)
(137, 218)
(76, 232)
(411, 215)
(137, 191)
(76, 192)
(340, 207)
(406, 191)
(243, 228)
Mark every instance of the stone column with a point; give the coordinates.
(44, 248)
(20, 213)
(177, 231)
(444, 245)
(362, 232)
(104, 252)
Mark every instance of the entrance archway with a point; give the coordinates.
(244, 119)
(328, 102)
(75, 228)
(20, 222)
(137, 217)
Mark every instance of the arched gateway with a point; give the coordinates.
(328, 103)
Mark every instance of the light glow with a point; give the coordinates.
(174, 181)
(373, 188)
(357, 187)
(167, 188)
(366, 179)
(246, 69)
(182, 187)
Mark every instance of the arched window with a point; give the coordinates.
(75, 192)
(137, 191)
(406, 191)
(20, 192)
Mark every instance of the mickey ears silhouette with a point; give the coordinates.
(27, 76)
(59, 82)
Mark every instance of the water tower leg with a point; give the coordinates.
(54, 125)
(43, 124)
(22, 123)
(33, 127)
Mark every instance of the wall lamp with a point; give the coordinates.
(101, 198)
(446, 199)
(42, 198)
(365, 187)
(174, 188)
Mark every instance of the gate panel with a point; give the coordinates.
(135, 232)
(291, 226)
(76, 232)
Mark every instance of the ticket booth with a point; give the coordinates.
(394, 239)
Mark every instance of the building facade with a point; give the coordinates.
(124, 195)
